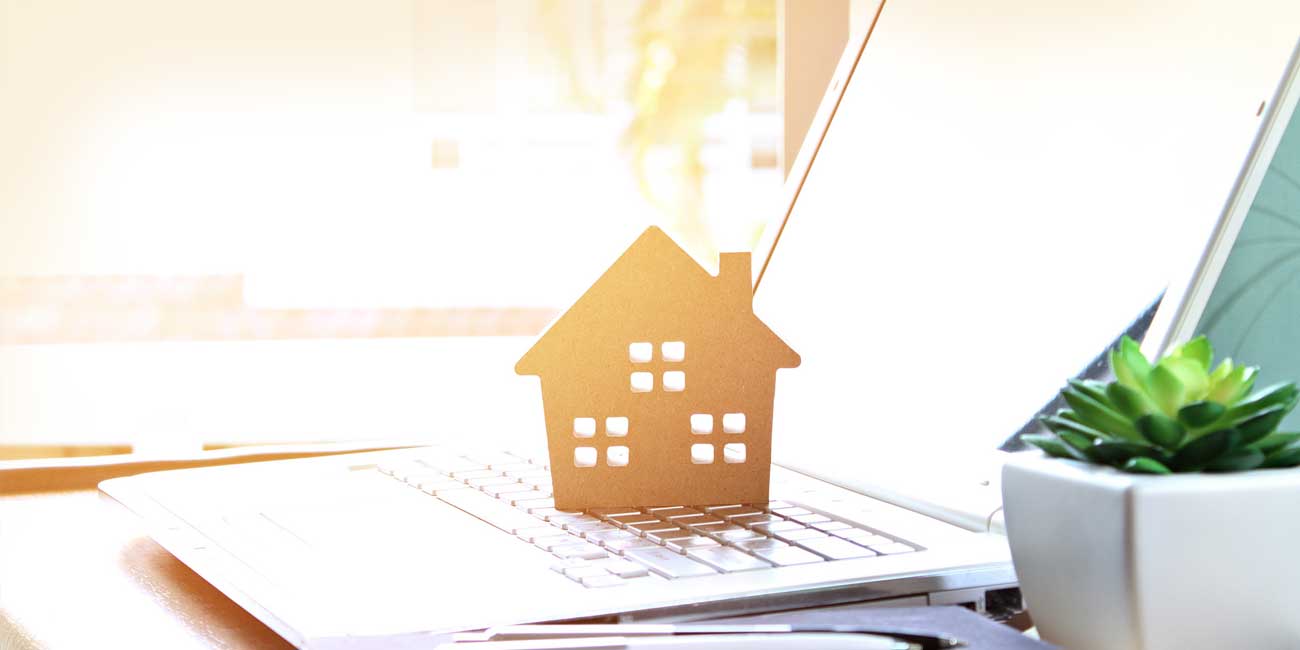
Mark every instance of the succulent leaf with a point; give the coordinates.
(1053, 446)
(1092, 388)
(1203, 450)
(1099, 416)
(1226, 385)
(1201, 414)
(1129, 401)
(1262, 423)
(1198, 350)
(1144, 465)
(1275, 441)
(1194, 378)
(1058, 424)
(1129, 365)
(1237, 460)
(1288, 456)
(1166, 389)
(1284, 394)
(1116, 453)
(1161, 430)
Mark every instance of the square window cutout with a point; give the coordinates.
(584, 427)
(733, 452)
(641, 352)
(674, 381)
(701, 423)
(616, 426)
(643, 382)
(673, 351)
(617, 456)
(584, 457)
(702, 454)
(733, 422)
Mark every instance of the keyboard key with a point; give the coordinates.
(794, 512)
(727, 560)
(532, 505)
(436, 486)
(583, 528)
(787, 556)
(578, 518)
(533, 534)
(734, 536)
(808, 519)
(534, 499)
(479, 471)
(743, 511)
(601, 536)
(750, 520)
(527, 471)
(621, 546)
(662, 536)
(582, 550)
(514, 468)
(622, 568)
(548, 513)
(754, 545)
(585, 571)
(484, 507)
(607, 580)
(554, 541)
(564, 565)
(491, 480)
(833, 548)
(634, 518)
(655, 526)
(831, 526)
(892, 549)
(772, 505)
(868, 539)
(723, 510)
(683, 544)
(674, 512)
(802, 533)
(773, 527)
(669, 564)
(500, 491)
(605, 513)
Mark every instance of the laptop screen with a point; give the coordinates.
(1003, 189)
(1253, 312)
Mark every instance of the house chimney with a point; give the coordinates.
(734, 274)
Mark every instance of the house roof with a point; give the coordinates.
(655, 283)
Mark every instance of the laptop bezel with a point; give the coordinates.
(1189, 290)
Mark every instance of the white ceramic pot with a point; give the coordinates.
(1115, 561)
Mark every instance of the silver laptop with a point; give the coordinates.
(936, 267)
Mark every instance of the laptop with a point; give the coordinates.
(917, 265)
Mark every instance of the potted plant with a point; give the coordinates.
(1166, 513)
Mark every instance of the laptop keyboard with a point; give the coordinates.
(608, 547)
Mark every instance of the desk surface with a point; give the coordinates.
(78, 571)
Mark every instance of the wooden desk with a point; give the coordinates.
(77, 570)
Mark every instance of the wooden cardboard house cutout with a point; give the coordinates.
(657, 384)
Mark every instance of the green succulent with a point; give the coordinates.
(1177, 415)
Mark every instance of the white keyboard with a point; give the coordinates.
(607, 547)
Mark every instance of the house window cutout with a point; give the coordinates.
(673, 351)
(617, 456)
(702, 454)
(701, 423)
(584, 457)
(674, 381)
(641, 352)
(643, 382)
(584, 427)
(733, 422)
(733, 452)
(616, 427)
